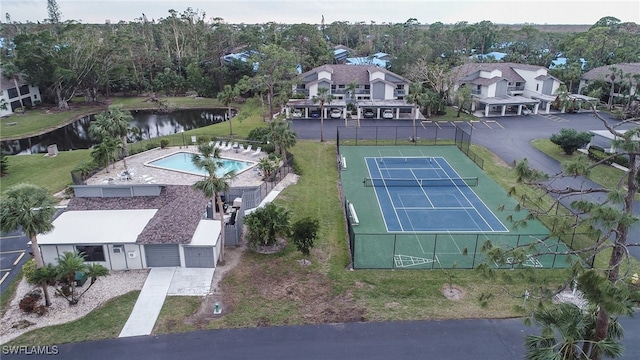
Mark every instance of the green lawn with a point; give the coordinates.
(53, 173)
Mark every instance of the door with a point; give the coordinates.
(162, 255)
(199, 257)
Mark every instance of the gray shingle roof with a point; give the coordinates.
(8, 83)
(507, 70)
(603, 72)
(345, 74)
(180, 209)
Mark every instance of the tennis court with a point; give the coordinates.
(426, 194)
(428, 207)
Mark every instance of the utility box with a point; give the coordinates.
(52, 150)
(237, 203)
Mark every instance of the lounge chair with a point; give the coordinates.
(217, 144)
(247, 149)
(223, 145)
(234, 147)
(257, 152)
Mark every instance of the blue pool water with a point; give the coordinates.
(181, 161)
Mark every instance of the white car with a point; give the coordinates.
(336, 113)
(297, 113)
(387, 114)
(526, 111)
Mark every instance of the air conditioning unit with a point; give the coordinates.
(118, 249)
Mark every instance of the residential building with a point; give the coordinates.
(16, 94)
(631, 72)
(139, 226)
(376, 88)
(500, 88)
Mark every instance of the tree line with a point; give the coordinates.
(183, 52)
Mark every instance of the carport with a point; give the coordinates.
(502, 102)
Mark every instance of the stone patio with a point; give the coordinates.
(143, 174)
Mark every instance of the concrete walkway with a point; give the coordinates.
(147, 308)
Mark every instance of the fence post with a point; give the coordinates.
(475, 251)
(393, 256)
(435, 245)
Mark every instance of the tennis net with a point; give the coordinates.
(433, 182)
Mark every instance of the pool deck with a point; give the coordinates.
(143, 174)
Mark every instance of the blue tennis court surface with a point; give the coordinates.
(425, 194)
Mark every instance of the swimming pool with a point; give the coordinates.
(181, 161)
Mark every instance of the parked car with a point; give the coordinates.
(387, 114)
(336, 113)
(368, 113)
(315, 113)
(526, 111)
(297, 113)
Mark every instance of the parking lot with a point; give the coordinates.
(14, 252)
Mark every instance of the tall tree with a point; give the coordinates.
(213, 184)
(276, 69)
(115, 123)
(607, 222)
(281, 136)
(227, 96)
(30, 208)
(323, 97)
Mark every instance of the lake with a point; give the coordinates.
(151, 124)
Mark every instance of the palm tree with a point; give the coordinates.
(282, 137)
(113, 122)
(102, 153)
(266, 223)
(10, 72)
(566, 333)
(463, 96)
(69, 264)
(213, 184)
(323, 97)
(29, 207)
(227, 96)
(414, 97)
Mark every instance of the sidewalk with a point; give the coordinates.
(147, 308)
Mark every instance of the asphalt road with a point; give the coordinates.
(450, 339)
(14, 252)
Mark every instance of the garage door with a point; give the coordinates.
(199, 257)
(162, 255)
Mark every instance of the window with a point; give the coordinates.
(400, 86)
(367, 87)
(91, 252)
(537, 87)
(341, 86)
(13, 93)
(24, 89)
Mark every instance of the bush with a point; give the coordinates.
(622, 160)
(569, 140)
(4, 163)
(203, 139)
(152, 145)
(164, 143)
(29, 303)
(258, 134)
(28, 270)
(598, 155)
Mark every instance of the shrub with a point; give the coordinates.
(203, 139)
(152, 145)
(28, 270)
(164, 143)
(569, 140)
(4, 163)
(266, 224)
(598, 155)
(29, 303)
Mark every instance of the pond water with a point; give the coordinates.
(151, 125)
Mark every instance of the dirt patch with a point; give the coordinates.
(453, 292)
(280, 245)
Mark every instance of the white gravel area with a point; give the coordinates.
(105, 288)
